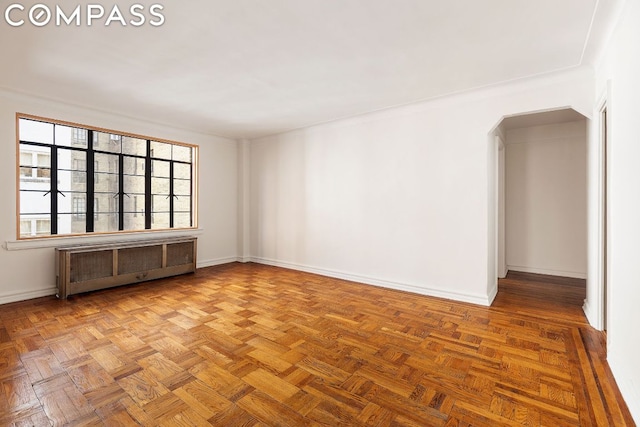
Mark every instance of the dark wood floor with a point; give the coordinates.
(251, 345)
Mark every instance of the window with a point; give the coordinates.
(26, 164)
(78, 180)
(35, 165)
(79, 207)
(79, 170)
(43, 227)
(79, 136)
(44, 166)
(25, 227)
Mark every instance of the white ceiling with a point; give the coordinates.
(247, 68)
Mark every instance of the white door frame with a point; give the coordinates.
(597, 294)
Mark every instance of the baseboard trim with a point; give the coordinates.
(456, 296)
(24, 296)
(214, 262)
(560, 273)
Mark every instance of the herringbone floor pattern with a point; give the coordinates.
(251, 345)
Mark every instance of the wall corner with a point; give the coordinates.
(244, 200)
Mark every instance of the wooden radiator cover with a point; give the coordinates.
(88, 268)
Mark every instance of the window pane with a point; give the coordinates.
(106, 163)
(134, 165)
(44, 173)
(34, 226)
(181, 220)
(43, 227)
(106, 213)
(160, 204)
(104, 203)
(105, 222)
(44, 160)
(181, 153)
(64, 224)
(26, 162)
(160, 150)
(134, 146)
(72, 181)
(65, 183)
(68, 158)
(106, 178)
(79, 164)
(106, 183)
(182, 204)
(79, 179)
(79, 171)
(133, 221)
(35, 163)
(25, 227)
(133, 184)
(160, 186)
(26, 172)
(70, 224)
(71, 137)
(159, 220)
(181, 187)
(107, 142)
(33, 131)
(73, 203)
(134, 204)
(160, 168)
(79, 206)
(35, 202)
(106, 209)
(26, 157)
(44, 165)
(181, 171)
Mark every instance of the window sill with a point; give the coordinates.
(55, 242)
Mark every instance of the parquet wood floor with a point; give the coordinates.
(252, 345)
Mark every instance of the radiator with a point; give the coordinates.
(89, 268)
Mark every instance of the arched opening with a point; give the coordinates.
(539, 190)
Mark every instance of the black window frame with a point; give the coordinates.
(90, 215)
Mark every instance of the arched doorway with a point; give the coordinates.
(540, 188)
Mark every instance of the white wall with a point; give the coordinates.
(620, 69)
(30, 273)
(404, 198)
(546, 199)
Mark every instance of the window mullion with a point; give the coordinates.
(90, 221)
(54, 190)
(121, 192)
(148, 197)
(171, 195)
